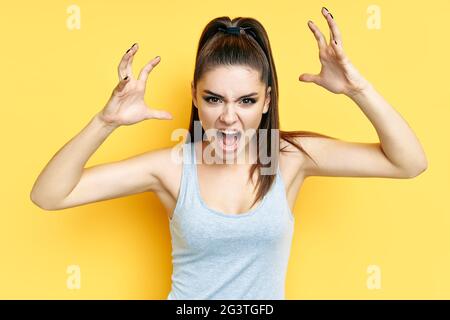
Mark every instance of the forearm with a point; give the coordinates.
(64, 170)
(397, 139)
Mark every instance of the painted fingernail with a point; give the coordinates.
(331, 15)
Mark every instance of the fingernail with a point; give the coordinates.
(331, 15)
(128, 50)
(325, 8)
(157, 57)
(134, 44)
(125, 78)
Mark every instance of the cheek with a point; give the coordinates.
(252, 119)
(207, 118)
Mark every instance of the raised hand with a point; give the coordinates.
(126, 105)
(337, 73)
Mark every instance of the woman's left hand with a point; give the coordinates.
(337, 74)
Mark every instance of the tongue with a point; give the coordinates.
(229, 139)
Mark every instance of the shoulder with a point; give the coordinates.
(289, 146)
(311, 144)
(161, 164)
(292, 159)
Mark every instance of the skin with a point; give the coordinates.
(65, 182)
(231, 82)
(231, 112)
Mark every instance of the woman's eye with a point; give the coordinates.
(252, 101)
(208, 99)
(215, 100)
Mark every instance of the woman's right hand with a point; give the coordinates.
(126, 105)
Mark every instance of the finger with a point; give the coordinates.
(121, 85)
(134, 48)
(143, 75)
(124, 67)
(307, 77)
(335, 34)
(159, 114)
(318, 35)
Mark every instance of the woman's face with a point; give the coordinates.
(231, 99)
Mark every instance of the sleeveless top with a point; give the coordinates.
(216, 255)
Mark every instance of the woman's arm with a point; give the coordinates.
(397, 139)
(64, 182)
(62, 173)
(399, 153)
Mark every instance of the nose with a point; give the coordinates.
(228, 116)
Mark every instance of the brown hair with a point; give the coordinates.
(250, 48)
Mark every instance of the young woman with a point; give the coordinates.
(231, 225)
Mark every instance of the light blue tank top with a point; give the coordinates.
(217, 255)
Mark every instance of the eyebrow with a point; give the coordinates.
(218, 95)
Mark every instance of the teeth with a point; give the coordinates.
(229, 132)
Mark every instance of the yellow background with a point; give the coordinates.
(54, 80)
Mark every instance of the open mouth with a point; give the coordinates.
(228, 140)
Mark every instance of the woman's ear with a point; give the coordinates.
(194, 96)
(267, 100)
